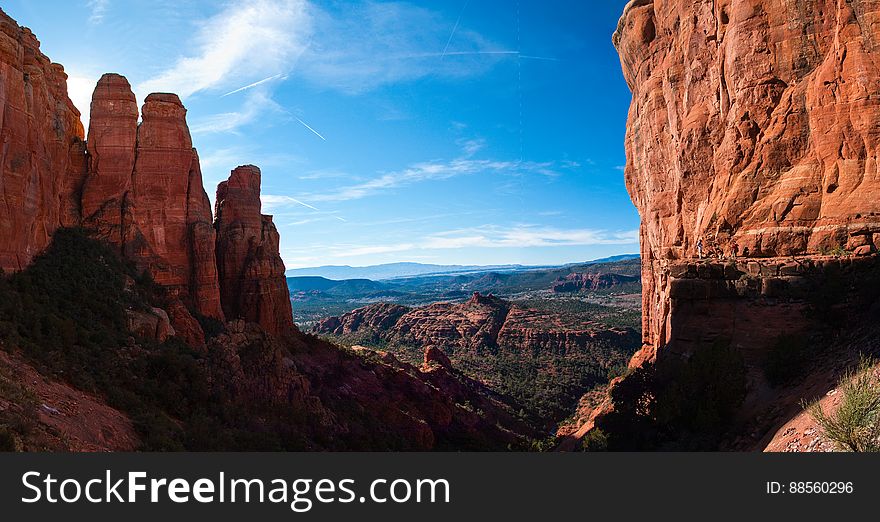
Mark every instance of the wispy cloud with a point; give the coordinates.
(256, 104)
(487, 236)
(433, 171)
(523, 236)
(472, 146)
(373, 44)
(240, 42)
(323, 174)
(97, 10)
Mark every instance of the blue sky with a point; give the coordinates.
(451, 132)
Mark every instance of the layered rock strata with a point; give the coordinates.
(42, 152)
(753, 132)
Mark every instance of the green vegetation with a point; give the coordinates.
(576, 311)
(595, 440)
(855, 425)
(836, 251)
(548, 385)
(66, 314)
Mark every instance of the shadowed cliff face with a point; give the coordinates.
(42, 152)
(752, 122)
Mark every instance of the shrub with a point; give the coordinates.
(595, 440)
(855, 426)
(7, 440)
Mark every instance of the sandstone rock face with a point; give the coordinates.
(250, 269)
(753, 123)
(144, 192)
(112, 146)
(545, 360)
(153, 324)
(42, 153)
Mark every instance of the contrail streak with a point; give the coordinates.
(466, 53)
(298, 202)
(545, 58)
(341, 219)
(306, 125)
(455, 27)
(250, 86)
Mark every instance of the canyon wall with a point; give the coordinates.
(42, 152)
(753, 136)
(753, 125)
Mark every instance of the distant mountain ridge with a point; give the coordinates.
(411, 269)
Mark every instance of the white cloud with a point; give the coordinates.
(246, 40)
(472, 146)
(372, 44)
(254, 45)
(488, 236)
(79, 90)
(97, 10)
(430, 171)
(523, 236)
(256, 104)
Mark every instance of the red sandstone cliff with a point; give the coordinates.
(137, 183)
(42, 157)
(752, 122)
(144, 192)
(250, 269)
(754, 128)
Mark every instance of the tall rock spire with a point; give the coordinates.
(251, 272)
(112, 142)
(144, 192)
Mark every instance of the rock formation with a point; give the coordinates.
(42, 157)
(481, 324)
(250, 269)
(112, 147)
(753, 123)
(144, 192)
(753, 132)
(139, 186)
